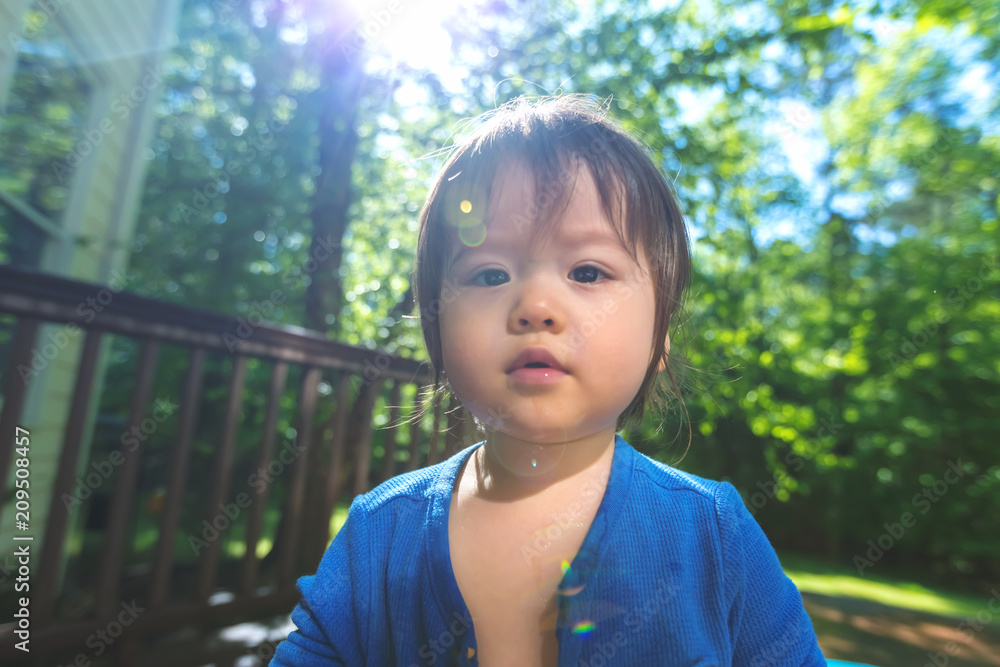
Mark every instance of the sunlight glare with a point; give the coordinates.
(407, 31)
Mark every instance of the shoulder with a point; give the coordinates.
(668, 479)
(397, 513)
(417, 487)
(710, 503)
(714, 510)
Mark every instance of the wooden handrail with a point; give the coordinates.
(55, 299)
(317, 474)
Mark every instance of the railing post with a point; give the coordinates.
(248, 577)
(14, 391)
(391, 434)
(209, 564)
(453, 433)
(363, 413)
(163, 560)
(48, 576)
(333, 488)
(416, 435)
(109, 577)
(432, 446)
(290, 550)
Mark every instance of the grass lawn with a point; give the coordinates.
(339, 518)
(814, 576)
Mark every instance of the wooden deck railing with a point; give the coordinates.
(333, 461)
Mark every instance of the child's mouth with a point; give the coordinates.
(534, 361)
(537, 373)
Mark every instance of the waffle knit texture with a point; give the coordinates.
(673, 571)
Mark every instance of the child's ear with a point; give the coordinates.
(666, 351)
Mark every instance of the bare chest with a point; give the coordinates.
(508, 565)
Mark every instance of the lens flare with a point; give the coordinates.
(472, 236)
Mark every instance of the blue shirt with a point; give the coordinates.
(673, 571)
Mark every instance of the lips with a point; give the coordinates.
(535, 357)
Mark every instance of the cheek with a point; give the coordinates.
(628, 344)
(462, 362)
(449, 338)
(624, 357)
(458, 340)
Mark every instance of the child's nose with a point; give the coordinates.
(537, 308)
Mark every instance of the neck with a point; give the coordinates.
(509, 469)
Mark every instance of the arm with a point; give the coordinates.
(332, 618)
(767, 621)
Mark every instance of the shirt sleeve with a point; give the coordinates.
(332, 618)
(767, 621)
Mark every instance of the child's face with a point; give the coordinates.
(573, 291)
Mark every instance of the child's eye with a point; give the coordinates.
(490, 277)
(587, 274)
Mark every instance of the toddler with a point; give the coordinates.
(551, 258)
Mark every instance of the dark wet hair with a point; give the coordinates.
(552, 138)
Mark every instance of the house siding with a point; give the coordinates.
(120, 42)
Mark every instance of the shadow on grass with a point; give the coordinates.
(870, 632)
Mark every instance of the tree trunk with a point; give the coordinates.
(342, 78)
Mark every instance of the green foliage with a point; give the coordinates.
(839, 167)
